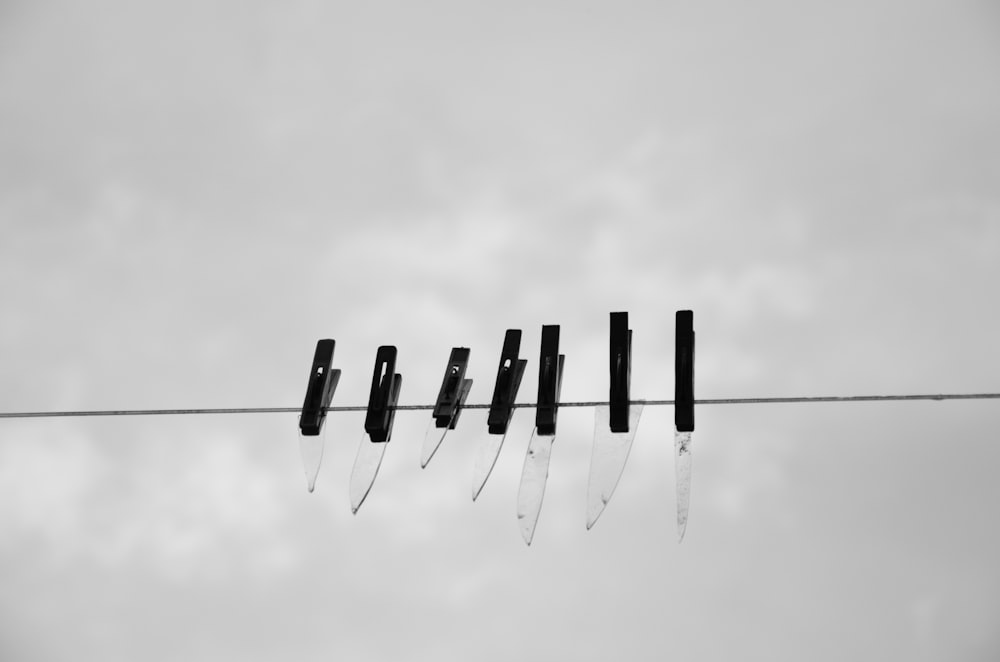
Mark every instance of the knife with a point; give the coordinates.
(533, 479)
(322, 383)
(487, 452)
(452, 395)
(311, 448)
(432, 439)
(683, 414)
(615, 424)
(382, 399)
(682, 470)
(508, 381)
(611, 450)
(536, 462)
(366, 464)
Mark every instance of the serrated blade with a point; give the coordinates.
(311, 448)
(432, 440)
(533, 479)
(487, 452)
(682, 470)
(366, 465)
(611, 450)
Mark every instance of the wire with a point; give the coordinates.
(648, 403)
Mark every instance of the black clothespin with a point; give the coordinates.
(549, 380)
(621, 372)
(319, 393)
(684, 372)
(454, 389)
(508, 382)
(384, 395)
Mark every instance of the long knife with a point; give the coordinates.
(683, 414)
(508, 382)
(614, 425)
(382, 401)
(454, 390)
(322, 383)
(536, 462)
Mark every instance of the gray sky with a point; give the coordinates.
(192, 193)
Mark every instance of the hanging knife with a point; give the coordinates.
(614, 425)
(683, 413)
(454, 390)
(323, 381)
(501, 409)
(382, 401)
(536, 462)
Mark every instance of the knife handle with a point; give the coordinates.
(684, 371)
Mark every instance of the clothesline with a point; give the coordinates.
(529, 405)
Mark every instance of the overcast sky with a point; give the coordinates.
(193, 193)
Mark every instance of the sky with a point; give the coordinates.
(193, 193)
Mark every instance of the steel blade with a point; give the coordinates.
(366, 466)
(311, 448)
(533, 478)
(611, 450)
(432, 440)
(682, 469)
(487, 452)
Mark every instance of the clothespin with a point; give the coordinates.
(684, 372)
(621, 372)
(319, 392)
(454, 389)
(507, 383)
(384, 395)
(549, 380)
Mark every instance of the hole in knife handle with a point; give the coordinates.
(451, 388)
(547, 377)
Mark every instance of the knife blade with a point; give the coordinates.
(682, 470)
(366, 465)
(432, 440)
(611, 450)
(487, 452)
(533, 479)
(311, 448)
